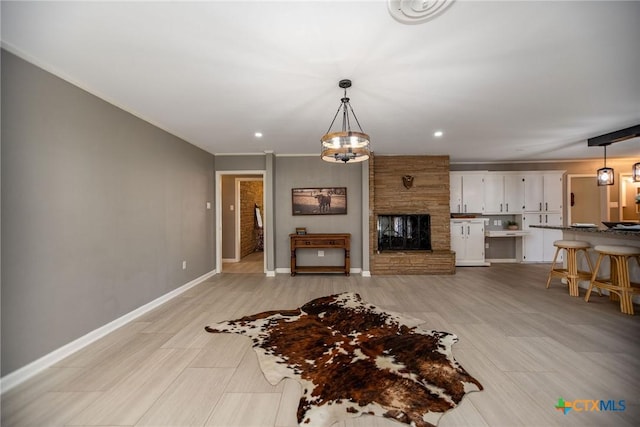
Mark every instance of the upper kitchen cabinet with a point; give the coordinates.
(503, 193)
(543, 191)
(467, 192)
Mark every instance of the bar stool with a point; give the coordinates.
(618, 283)
(571, 273)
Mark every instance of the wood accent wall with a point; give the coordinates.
(429, 194)
(250, 195)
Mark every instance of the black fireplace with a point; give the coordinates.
(404, 232)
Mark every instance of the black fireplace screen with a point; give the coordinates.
(404, 232)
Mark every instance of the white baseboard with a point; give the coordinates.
(502, 260)
(351, 271)
(20, 375)
(366, 273)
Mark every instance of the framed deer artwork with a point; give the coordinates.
(319, 201)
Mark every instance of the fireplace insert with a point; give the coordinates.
(404, 232)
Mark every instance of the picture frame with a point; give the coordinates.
(319, 201)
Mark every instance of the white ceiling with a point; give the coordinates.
(505, 81)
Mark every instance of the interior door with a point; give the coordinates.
(584, 200)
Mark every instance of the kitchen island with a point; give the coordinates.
(601, 236)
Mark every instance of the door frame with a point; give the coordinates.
(218, 229)
(238, 232)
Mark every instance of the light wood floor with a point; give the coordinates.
(527, 345)
(252, 263)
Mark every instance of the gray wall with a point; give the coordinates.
(303, 172)
(99, 210)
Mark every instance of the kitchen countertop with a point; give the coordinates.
(601, 231)
(505, 233)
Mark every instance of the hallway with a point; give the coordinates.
(252, 263)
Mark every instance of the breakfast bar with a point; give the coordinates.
(629, 236)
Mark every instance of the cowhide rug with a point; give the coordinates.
(353, 358)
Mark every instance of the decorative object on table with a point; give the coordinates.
(345, 145)
(512, 225)
(354, 358)
(301, 231)
(319, 201)
(616, 224)
(407, 181)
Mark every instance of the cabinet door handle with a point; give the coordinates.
(546, 206)
(459, 211)
(465, 207)
(546, 219)
(540, 205)
(468, 230)
(462, 230)
(507, 207)
(500, 207)
(540, 218)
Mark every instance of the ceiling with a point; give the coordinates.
(504, 81)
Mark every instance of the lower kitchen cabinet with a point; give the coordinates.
(537, 246)
(467, 241)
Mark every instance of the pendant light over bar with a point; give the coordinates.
(605, 174)
(345, 145)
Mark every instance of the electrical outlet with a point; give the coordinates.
(208, 205)
(320, 253)
(230, 207)
(499, 222)
(184, 265)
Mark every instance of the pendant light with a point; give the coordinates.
(345, 145)
(605, 174)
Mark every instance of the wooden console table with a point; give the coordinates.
(320, 241)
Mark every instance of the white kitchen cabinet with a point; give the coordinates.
(543, 192)
(514, 193)
(503, 193)
(466, 192)
(537, 246)
(467, 241)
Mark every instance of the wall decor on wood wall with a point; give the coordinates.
(319, 201)
(407, 180)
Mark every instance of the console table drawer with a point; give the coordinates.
(340, 243)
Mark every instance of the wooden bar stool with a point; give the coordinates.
(571, 273)
(618, 283)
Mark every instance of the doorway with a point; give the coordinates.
(240, 225)
(583, 200)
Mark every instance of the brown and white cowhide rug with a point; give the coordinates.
(353, 358)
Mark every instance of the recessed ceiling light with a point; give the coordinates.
(258, 134)
(438, 133)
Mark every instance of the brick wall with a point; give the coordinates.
(429, 194)
(250, 195)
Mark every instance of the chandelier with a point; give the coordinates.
(345, 145)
